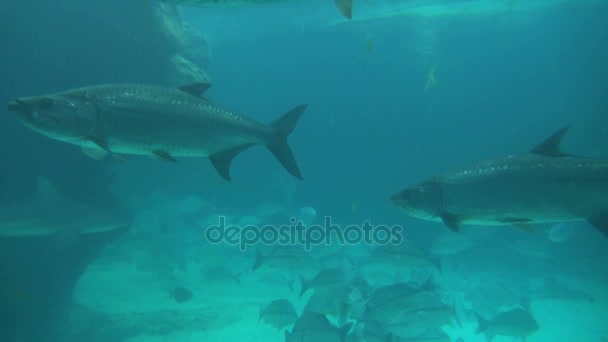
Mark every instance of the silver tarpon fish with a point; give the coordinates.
(157, 121)
(544, 185)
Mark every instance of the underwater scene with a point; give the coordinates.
(304, 170)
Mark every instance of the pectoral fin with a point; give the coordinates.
(453, 221)
(100, 142)
(94, 153)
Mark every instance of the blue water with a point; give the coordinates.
(506, 75)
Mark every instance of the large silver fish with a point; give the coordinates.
(155, 121)
(544, 185)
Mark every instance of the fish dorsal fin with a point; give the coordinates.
(46, 191)
(345, 7)
(550, 147)
(195, 89)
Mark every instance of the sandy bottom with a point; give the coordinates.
(217, 312)
(224, 310)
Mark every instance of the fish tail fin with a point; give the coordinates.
(282, 128)
(482, 327)
(345, 330)
(259, 259)
(482, 324)
(526, 303)
(261, 314)
(290, 284)
(437, 266)
(236, 277)
(304, 285)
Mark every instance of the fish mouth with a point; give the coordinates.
(17, 106)
(401, 203)
(396, 199)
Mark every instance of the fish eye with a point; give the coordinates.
(45, 103)
(406, 194)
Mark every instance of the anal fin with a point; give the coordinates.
(221, 161)
(164, 155)
(522, 224)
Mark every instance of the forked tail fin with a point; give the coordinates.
(282, 128)
(277, 144)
